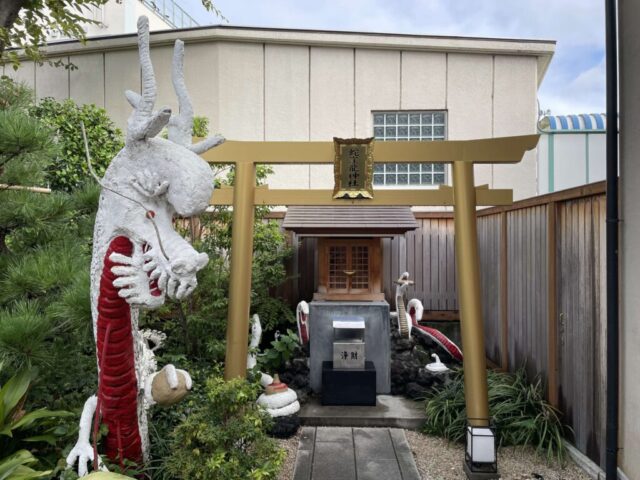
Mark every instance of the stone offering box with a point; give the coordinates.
(348, 342)
(377, 344)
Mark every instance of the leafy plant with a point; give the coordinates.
(518, 408)
(224, 437)
(18, 464)
(69, 169)
(14, 421)
(282, 350)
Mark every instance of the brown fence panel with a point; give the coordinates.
(490, 246)
(581, 322)
(428, 255)
(527, 284)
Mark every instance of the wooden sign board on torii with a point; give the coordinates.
(464, 196)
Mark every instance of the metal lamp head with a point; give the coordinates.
(480, 449)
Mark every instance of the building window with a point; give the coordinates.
(403, 126)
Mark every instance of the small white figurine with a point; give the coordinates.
(437, 366)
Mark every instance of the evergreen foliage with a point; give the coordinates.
(45, 246)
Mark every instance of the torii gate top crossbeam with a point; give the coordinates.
(489, 150)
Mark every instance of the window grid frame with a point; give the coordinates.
(416, 174)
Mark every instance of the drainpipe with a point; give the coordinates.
(612, 240)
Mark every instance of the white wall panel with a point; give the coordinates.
(469, 102)
(287, 107)
(86, 83)
(377, 86)
(25, 73)
(52, 81)
(331, 103)
(514, 113)
(122, 73)
(241, 90)
(424, 81)
(201, 76)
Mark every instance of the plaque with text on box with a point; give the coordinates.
(353, 168)
(348, 342)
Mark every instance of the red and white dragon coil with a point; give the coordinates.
(139, 260)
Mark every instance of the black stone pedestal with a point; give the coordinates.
(348, 386)
(475, 475)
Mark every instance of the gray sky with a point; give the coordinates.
(574, 82)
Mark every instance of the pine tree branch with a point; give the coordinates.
(4, 186)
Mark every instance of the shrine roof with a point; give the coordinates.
(361, 221)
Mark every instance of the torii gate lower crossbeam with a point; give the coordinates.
(464, 197)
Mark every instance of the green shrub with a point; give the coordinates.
(69, 170)
(281, 351)
(517, 407)
(224, 437)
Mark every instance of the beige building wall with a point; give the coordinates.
(629, 438)
(264, 84)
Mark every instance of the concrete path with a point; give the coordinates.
(345, 453)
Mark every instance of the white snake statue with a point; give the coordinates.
(254, 342)
(279, 404)
(138, 261)
(415, 309)
(302, 319)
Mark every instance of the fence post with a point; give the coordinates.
(552, 306)
(504, 293)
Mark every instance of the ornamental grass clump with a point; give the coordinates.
(224, 437)
(517, 407)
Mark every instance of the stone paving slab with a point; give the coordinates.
(373, 443)
(390, 411)
(343, 453)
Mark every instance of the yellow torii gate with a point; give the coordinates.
(464, 197)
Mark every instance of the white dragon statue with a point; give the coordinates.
(138, 261)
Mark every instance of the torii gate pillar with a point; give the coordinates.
(470, 300)
(241, 265)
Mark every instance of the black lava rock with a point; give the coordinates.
(416, 391)
(285, 427)
(408, 359)
(296, 376)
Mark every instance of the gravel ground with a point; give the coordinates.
(291, 446)
(438, 460)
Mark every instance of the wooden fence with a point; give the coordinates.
(543, 281)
